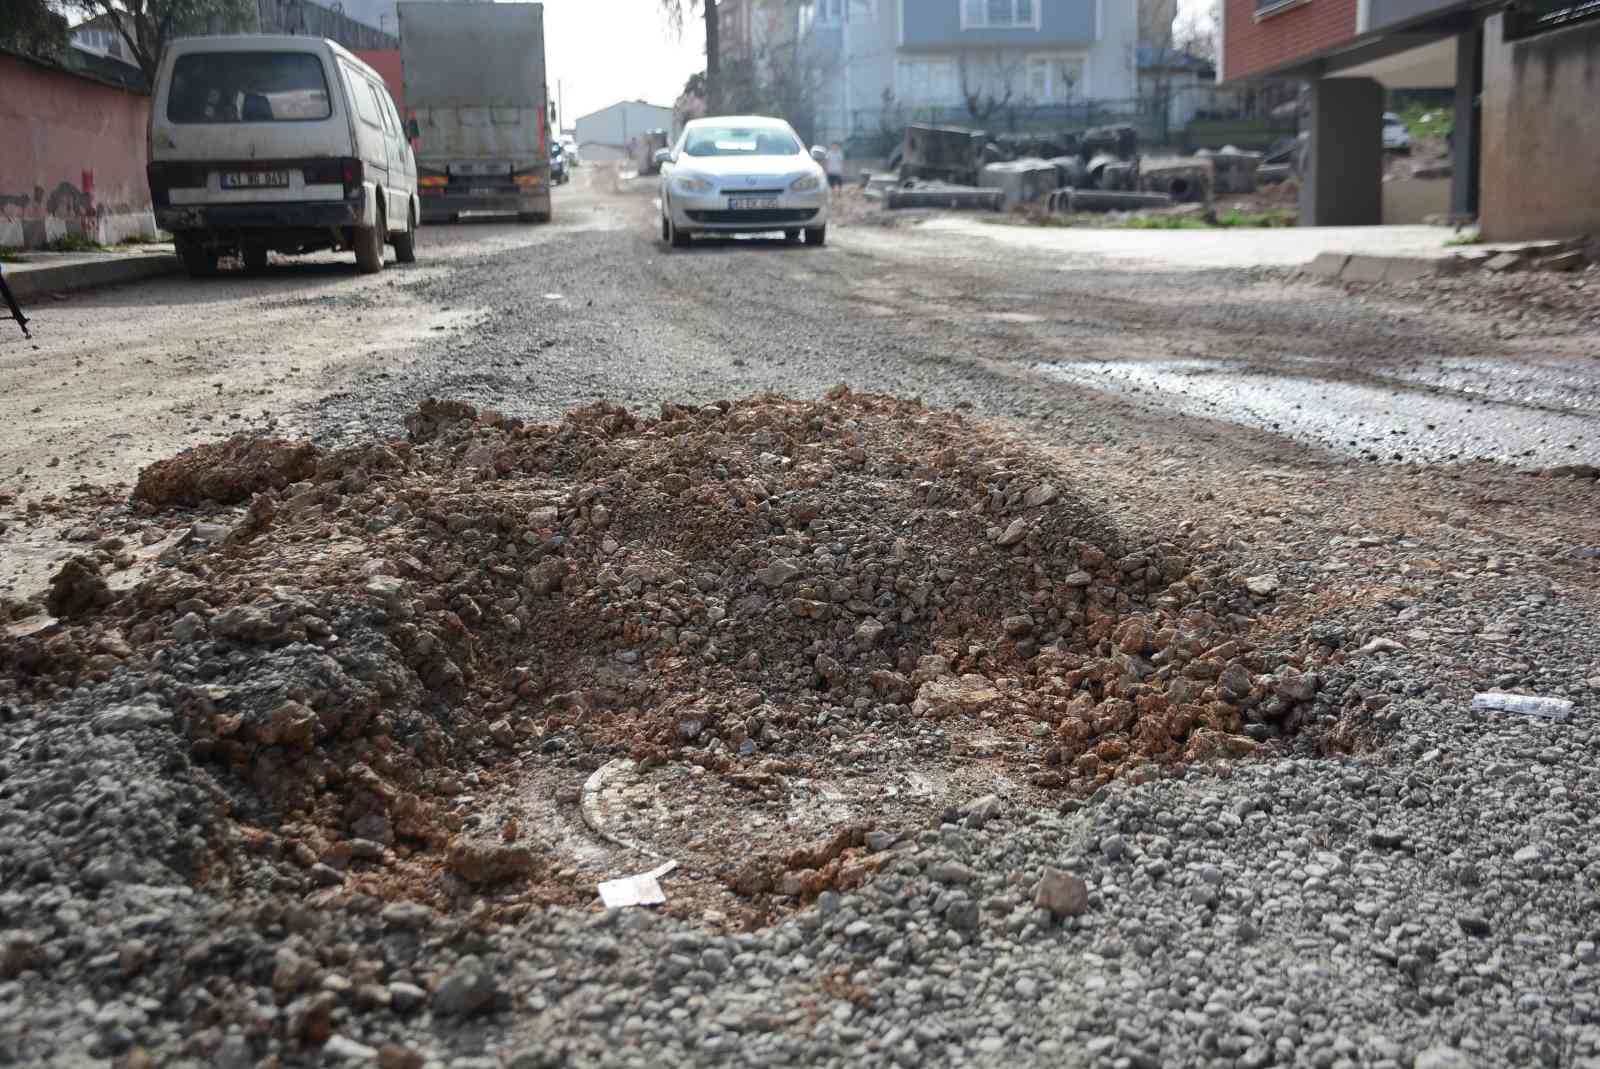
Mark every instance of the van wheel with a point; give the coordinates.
(405, 245)
(369, 247)
(254, 257)
(198, 260)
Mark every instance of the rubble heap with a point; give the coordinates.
(709, 585)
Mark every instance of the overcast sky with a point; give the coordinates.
(603, 51)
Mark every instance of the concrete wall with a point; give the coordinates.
(1255, 46)
(1541, 133)
(73, 160)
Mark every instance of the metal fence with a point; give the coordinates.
(1187, 118)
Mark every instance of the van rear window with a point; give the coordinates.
(230, 87)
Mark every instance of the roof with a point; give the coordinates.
(623, 104)
(1171, 59)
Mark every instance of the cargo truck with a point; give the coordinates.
(479, 111)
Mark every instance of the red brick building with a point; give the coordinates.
(1526, 141)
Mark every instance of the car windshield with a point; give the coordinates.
(741, 141)
(229, 87)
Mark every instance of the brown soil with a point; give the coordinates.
(817, 620)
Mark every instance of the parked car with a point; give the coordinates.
(741, 175)
(558, 164)
(1396, 138)
(287, 144)
(569, 145)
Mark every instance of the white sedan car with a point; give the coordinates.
(742, 174)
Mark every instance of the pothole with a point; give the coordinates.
(772, 637)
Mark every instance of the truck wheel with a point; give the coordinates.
(198, 260)
(405, 245)
(254, 256)
(369, 247)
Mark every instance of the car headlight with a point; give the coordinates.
(806, 184)
(688, 183)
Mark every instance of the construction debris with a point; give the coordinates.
(773, 600)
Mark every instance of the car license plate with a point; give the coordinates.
(255, 179)
(486, 191)
(751, 204)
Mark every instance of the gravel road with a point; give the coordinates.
(1405, 883)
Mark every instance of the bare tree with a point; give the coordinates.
(988, 82)
(1195, 32)
(147, 25)
(675, 10)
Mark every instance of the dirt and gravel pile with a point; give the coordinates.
(719, 586)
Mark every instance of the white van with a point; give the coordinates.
(290, 144)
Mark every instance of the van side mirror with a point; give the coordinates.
(663, 155)
(819, 153)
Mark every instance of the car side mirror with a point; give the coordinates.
(819, 153)
(663, 155)
(413, 129)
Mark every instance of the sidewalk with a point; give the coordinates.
(1191, 250)
(34, 273)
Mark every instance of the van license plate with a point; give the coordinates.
(255, 179)
(752, 204)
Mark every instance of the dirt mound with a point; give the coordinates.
(784, 595)
(225, 473)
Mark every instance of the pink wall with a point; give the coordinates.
(73, 159)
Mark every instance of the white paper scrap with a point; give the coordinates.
(643, 889)
(1527, 704)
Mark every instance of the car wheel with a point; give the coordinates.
(680, 240)
(819, 236)
(405, 245)
(791, 235)
(533, 217)
(666, 229)
(369, 246)
(254, 256)
(198, 260)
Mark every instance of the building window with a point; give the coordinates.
(830, 12)
(999, 14)
(927, 82)
(1055, 79)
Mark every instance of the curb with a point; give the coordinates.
(56, 278)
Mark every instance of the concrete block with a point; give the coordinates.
(29, 280)
(1410, 268)
(1185, 179)
(1365, 269)
(1327, 265)
(1022, 181)
(1565, 261)
(1505, 261)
